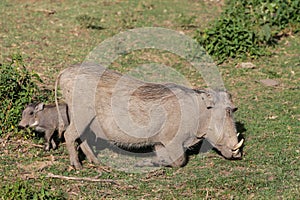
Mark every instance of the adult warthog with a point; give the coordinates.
(131, 113)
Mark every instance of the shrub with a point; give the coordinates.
(246, 28)
(18, 86)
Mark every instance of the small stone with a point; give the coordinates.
(246, 65)
(269, 82)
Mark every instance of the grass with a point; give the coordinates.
(49, 42)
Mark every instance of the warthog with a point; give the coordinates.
(131, 113)
(44, 119)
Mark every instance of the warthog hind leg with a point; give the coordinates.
(86, 149)
(70, 137)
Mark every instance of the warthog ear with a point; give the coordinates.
(39, 107)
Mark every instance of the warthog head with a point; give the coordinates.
(29, 116)
(221, 131)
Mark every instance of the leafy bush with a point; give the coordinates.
(246, 27)
(18, 86)
(27, 190)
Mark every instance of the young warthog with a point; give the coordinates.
(44, 119)
(131, 113)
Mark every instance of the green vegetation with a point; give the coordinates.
(18, 87)
(87, 21)
(268, 116)
(246, 28)
(20, 190)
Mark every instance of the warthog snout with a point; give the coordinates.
(22, 125)
(232, 153)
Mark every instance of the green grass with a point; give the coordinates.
(270, 168)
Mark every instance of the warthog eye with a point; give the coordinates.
(228, 110)
(31, 113)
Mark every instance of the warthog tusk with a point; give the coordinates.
(238, 145)
(237, 135)
(35, 123)
(235, 151)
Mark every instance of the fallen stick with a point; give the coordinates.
(32, 144)
(49, 12)
(50, 175)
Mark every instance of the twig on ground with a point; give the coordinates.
(50, 175)
(32, 144)
(48, 12)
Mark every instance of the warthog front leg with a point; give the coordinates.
(48, 138)
(170, 155)
(54, 146)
